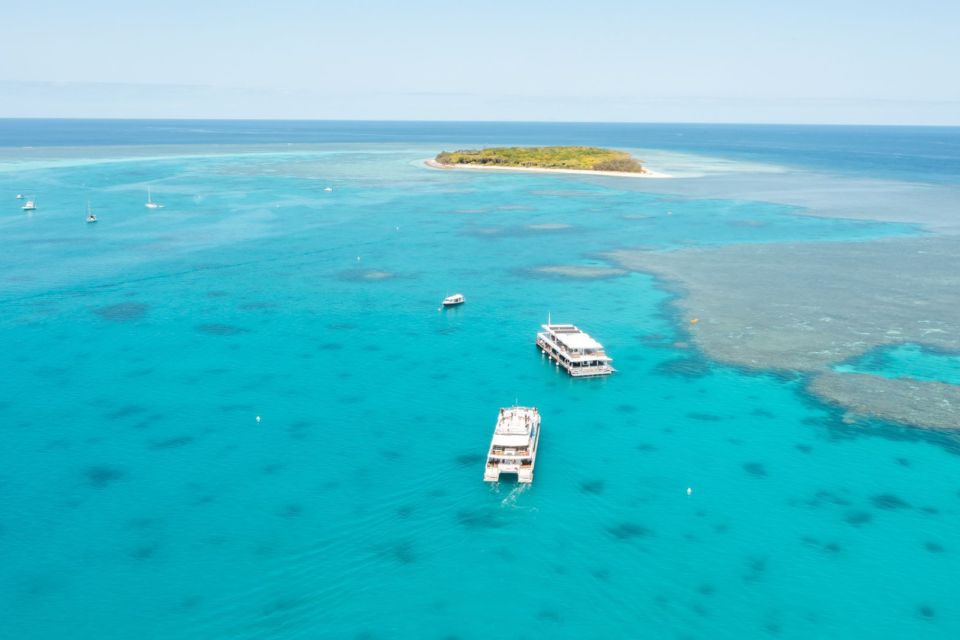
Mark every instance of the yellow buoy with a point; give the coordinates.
(694, 320)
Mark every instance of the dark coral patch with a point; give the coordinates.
(629, 531)
(477, 519)
(126, 411)
(102, 476)
(858, 518)
(684, 367)
(889, 501)
(601, 574)
(755, 469)
(592, 486)
(548, 615)
(926, 612)
(756, 567)
(123, 312)
(220, 329)
(282, 605)
(469, 459)
(291, 511)
(403, 552)
(172, 443)
(256, 306)
(144, 551)
(704, 417)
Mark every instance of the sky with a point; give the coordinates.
(763, 61)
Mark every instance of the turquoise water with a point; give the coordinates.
(908, 361)
(141, 498)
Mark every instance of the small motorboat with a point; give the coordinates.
(19, 196)
(29, 205)
(328, 189)
(91, 217)
(454, 300)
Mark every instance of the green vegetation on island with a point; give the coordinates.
(580, 158)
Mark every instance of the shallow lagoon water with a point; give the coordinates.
(908, 361)
(141, 496)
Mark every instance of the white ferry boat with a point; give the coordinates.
(513, 449)
(574, 350)
(454, 300)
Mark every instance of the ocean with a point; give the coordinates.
(141, 496)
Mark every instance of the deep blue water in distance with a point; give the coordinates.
(139, 496)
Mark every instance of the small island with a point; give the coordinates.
(593, 160)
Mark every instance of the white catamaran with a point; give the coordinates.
(513, 449)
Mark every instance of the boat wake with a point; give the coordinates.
(510, 500)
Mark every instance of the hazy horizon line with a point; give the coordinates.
(477, 121)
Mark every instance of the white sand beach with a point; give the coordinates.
(620, 174)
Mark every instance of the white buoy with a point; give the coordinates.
(689, 491)
(258, 419)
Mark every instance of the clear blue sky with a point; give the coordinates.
(607, 60)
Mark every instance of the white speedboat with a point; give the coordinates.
(454, 300)
(29, 205)
(150, 203)
(19, 196)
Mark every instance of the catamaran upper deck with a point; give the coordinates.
(574, 350)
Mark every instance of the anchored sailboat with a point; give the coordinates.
(150, 203)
